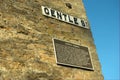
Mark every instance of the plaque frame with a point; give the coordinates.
(70, 65)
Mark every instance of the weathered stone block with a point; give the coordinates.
(26, 41)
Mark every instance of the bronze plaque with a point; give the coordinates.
(73, 55)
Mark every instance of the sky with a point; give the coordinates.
(104, 18)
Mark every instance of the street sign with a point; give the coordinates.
(64, 17)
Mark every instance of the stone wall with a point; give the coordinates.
(26, 47)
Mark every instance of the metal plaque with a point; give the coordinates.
(73, 55)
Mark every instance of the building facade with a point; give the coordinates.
(42, 39)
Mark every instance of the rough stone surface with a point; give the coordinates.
(26, 47)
